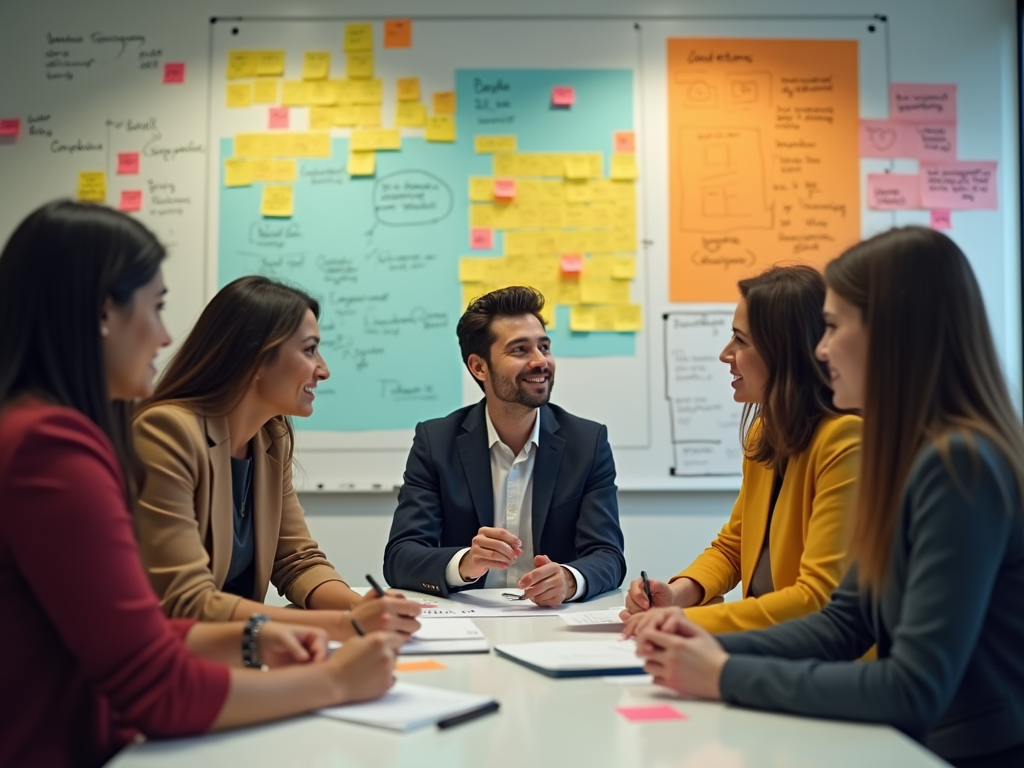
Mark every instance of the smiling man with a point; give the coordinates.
(511, 492)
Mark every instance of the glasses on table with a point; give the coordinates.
(514, 596)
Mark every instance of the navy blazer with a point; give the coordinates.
(448, 496)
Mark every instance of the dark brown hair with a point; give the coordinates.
(56, 272)
(474, 328)
(240, 331)
(932, 372)
(784, 311)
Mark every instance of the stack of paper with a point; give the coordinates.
(407, 707)
(576, 658)
(446, 636)
(606, 616)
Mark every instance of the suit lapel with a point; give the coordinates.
(476, 463)
(267, 496)
(755, 527)
(222, 532)
(545, 472)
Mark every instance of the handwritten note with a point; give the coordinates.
(174, 73)
(481, 239)
(487, 145)
(894, 191)
(382, 138)
(571, 264)
(131, 200)
(362, 163)
(941, 219)
(504, 189)
(10, 126)
(269, 63)
(623, 166)
(410, 114)
(127, 163)
(278, 201)
(360, 65)
(358, 37)
(444, 103)
(625, 141)
(265, 92)
(920, 141)
(398, 33)
(922, 102)
(966, 185)
(440, 128)
(92, 186)
(563, 96)
(237, 173)
(241, 64)
(277, 117)
(408, 89)
(650, 713)
(316, 65)
(239, 95)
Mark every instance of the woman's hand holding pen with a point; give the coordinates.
(389, 611)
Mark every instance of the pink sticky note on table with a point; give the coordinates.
(174, 72)
(10, 126)
(481, 239)
(967, 185)
(894, 191)
(278, 117)
(127, 163)
(505, 189)
(571, 264)
(649, 714)
(563, 95)
(942, 220)
(922, 102)
(131, 200)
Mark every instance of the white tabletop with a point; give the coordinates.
(547, 722)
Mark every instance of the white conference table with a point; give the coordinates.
(546, 722)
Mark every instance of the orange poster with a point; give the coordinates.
(763, 159)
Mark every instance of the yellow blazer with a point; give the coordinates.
(807, 541)
(184, 518)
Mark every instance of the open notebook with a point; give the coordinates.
(407, 706)
(576, 658)
(442, 636)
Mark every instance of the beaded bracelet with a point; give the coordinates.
(251, 640)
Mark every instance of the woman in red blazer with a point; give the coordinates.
(93, 660)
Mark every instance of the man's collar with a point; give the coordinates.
(493, 437)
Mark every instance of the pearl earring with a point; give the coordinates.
(104, 331)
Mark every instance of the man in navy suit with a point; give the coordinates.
(511, 492)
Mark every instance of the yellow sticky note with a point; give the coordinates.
(362, 163)
(269, 63)
(604, 291)
(239, 95)
(265, 92)
(472, 269)
(582, 319)
(358, 37)
(322, 118)
(368, 115)
(323, 93)
(360, 65)
(580, 191)
(381, 138)
(441, 128)
(629, 317)
(444, 103)
(623, 167)
(316, 65)
(313, 144)
(623, 267)
(345, 116)
(237, 173)
(242, 64)
(368, 91)
(294, 93)
(92, 186)
(471, 291)
(569, 293)
(278, 201)
(487, 145)
(408, 89)
(577, 167)
(410, 114)
(481, 189)
(282, 171)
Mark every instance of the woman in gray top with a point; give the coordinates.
(937, 549)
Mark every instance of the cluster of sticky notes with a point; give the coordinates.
(307, 144)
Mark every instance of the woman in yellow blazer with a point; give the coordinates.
(218, 519)
(785, 540)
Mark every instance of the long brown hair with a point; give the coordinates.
(932, 372)
(56, 272)
(784, 311)
(240, 331)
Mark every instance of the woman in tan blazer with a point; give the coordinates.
(218, 518)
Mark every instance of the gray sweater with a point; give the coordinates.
(949, 624)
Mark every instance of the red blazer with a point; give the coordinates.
(88, 657)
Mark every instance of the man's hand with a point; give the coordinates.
(491, 548)
(548, 584)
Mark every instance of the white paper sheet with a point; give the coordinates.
(608, 616)
(408, 706)
(576, 656)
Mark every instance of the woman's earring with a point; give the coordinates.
(104, 331)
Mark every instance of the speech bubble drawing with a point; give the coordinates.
(411, 199)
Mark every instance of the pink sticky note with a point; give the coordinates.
(10, 126)
(651, 713)
(882, 138)
(922, 102)
(571, 264)
(625, 142)
(894, 191)
(563, 95)
(127, 163)
(942, 220)
(919, 141)
(278, 117)
(174, 72)
(131, 200)
(967, 185)
(481, 239)
(505, 189)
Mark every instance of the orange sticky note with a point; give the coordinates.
(398, 33)
(563, 95)
(131, 200)
(127, 163)
(10, 126)
(444, 103)
(505, 189)
(426, 665)
(481, 239)
(174, 73)
(408, 89)
(571, 264)
(278, 117)
(625, 142)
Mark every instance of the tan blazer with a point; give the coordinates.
(184, 518)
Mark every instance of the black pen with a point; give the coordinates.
(647, 589)
(465, 717)
(375, 585)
